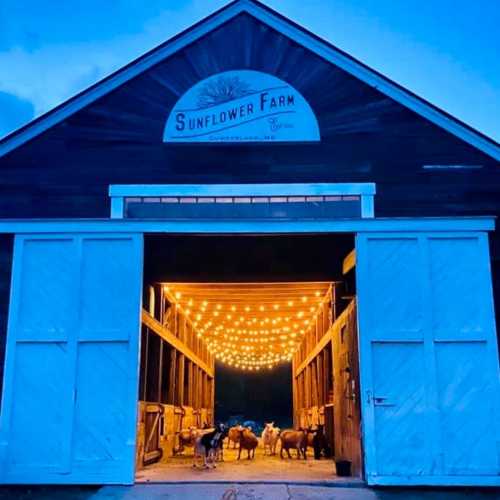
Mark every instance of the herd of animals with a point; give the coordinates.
(208, 443)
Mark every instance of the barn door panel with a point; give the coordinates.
(465, 351)
(429, 359)
(69, 402)
(399, 405)
(37, 400)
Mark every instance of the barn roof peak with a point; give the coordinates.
(281, 24)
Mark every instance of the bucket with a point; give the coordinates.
(343, 468)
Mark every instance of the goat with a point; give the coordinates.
(270, 436)
(234, 435)
(248, 441)
(207, 446)
(294, 439)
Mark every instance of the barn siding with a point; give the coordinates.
(365, 136)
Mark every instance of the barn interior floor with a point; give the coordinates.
(262, 468)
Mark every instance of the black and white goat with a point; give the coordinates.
(207, 446)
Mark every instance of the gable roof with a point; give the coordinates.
(281, 24)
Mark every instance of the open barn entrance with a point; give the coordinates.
(248, 330)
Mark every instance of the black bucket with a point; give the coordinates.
(343, 468)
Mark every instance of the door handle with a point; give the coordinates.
(380, 401)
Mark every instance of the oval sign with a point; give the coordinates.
(241, 106)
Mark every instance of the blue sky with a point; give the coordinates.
(447, 51)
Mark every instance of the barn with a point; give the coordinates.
(243, 199)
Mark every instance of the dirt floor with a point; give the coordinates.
(262, 468)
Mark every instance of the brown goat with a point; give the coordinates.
(248, 441)
(294, 439)
(234, 435)
(187, 438)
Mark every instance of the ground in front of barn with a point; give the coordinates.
(233, 491)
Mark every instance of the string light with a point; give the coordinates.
(249, 341)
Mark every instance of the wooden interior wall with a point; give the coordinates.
(326, 384)
(176, 379)
(347, 412)
(310, 396)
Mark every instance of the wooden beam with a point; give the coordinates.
(212, 400)
(180, 379)
(326, 338)
(294, 395)
(172, 380)
(169, 337)
(349, 262)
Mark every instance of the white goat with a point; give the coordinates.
(270, 436)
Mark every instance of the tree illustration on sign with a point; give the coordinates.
(222, 89)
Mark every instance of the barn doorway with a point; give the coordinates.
(247, 330)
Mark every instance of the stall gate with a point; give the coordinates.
(70, 397)
(429, 359)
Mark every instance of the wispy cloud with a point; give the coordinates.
(51, 73)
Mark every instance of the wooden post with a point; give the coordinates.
(307, 387)
(180, 380)
(212, 400)
(294, 393)
(197, 385)
(160, 372)
(314, 385)
(191, 383)
(172, 377)
(333, 298)
(321, 381)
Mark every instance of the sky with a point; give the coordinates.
(446, 51)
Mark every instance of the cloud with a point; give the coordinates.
(49, 74)
(15, 112)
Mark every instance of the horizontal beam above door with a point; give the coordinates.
(398, 225)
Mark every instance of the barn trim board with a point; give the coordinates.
(398, 224)
(440, 330)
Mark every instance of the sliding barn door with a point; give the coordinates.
(70, 392)
(429, 359)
